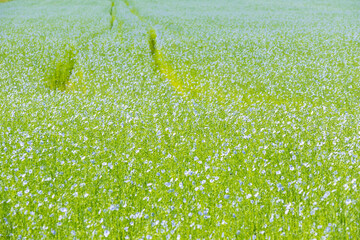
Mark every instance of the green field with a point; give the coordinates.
(165, 119)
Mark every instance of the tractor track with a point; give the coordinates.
(160, 63)
(59, 76)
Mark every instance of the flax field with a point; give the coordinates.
(165, 119)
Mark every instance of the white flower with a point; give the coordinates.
(114, 207)
(63, 209)
(326, 195)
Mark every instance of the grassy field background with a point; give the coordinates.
(179, 119)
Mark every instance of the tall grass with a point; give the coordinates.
(112, 14)
(58, 74)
